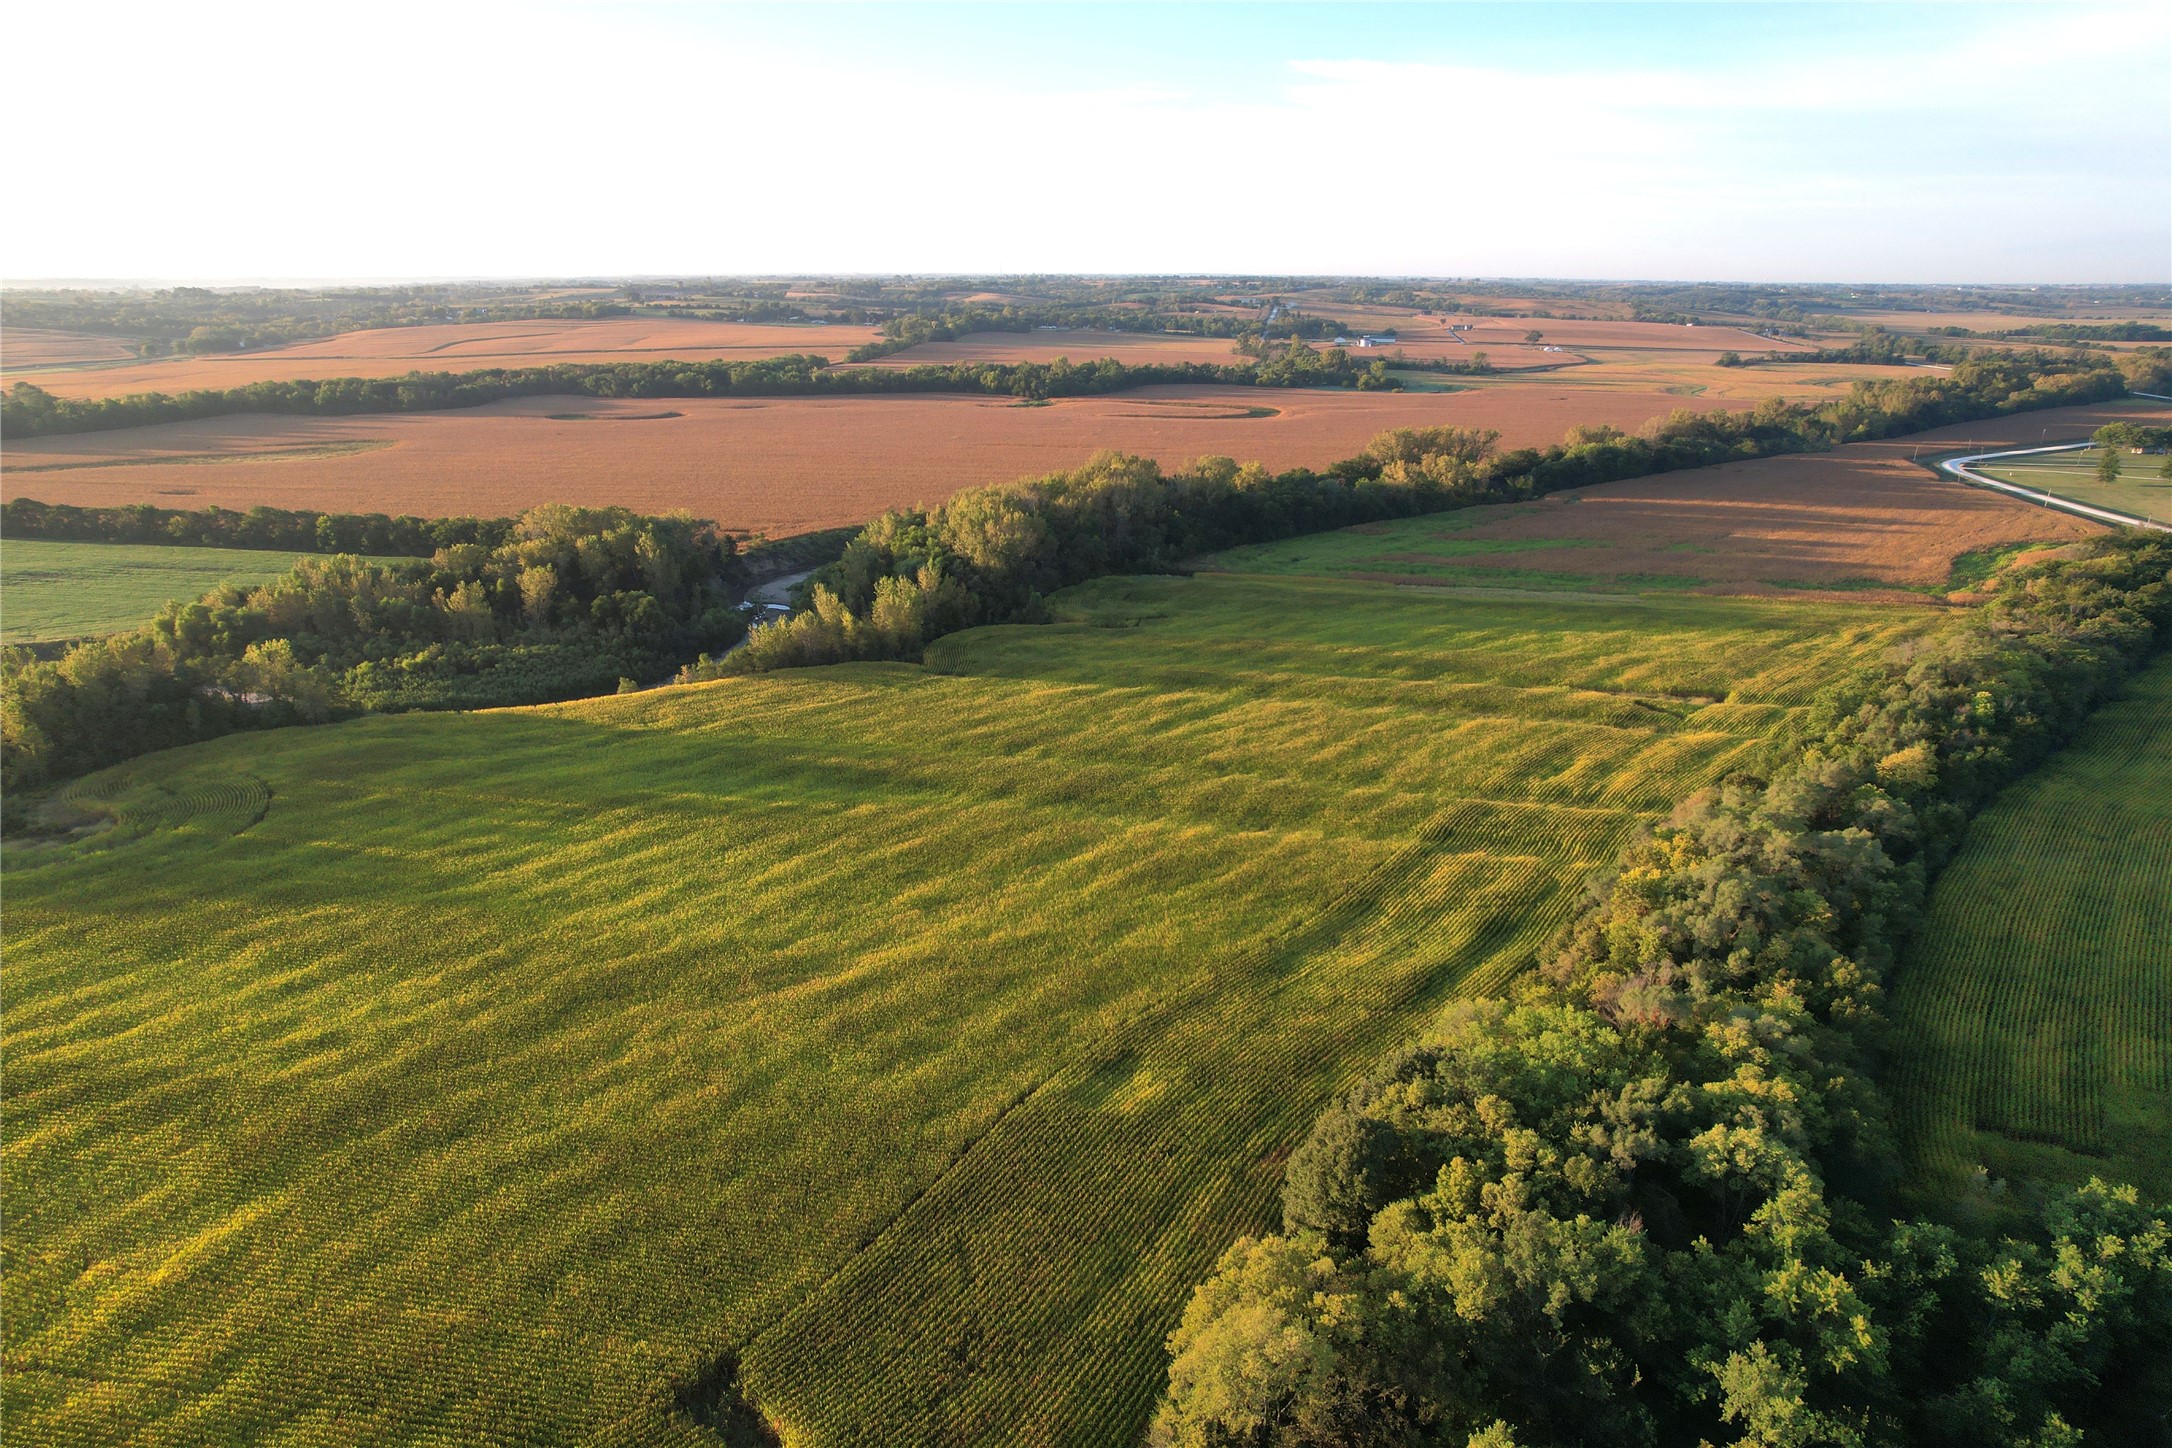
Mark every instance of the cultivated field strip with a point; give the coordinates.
(2036, 1014)
(919, 1036)
(211, 802)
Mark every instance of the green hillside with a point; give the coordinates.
(918, 1035)
(2036, 1018)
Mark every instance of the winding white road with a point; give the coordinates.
(1961, 468)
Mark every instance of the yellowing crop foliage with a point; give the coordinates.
(2035, 1020)
(916, 1035)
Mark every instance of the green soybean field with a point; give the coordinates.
(2035, 1017)
(886, 1047)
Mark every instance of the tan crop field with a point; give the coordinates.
(22, 348)
(1902, 321)
(1865, 519)
(1632, 336)
(777, 465)
(1691, 374)
(462, 347)
(1133, 348)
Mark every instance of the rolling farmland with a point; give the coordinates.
(454, 347)
(2035, 1018)
(27, 347)
(776, 465)
(1136, 349)
(52, 590)
(1864, 517)
(918, 1035)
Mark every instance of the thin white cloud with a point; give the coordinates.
(466, 140)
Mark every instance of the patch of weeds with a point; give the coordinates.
(1978, 565)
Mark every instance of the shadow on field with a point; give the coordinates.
(712, 1399)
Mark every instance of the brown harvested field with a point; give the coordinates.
(1134, 348)
(1629, 336)
(1692, 374)
(466, 347)
(1864, 518)
(777, 465)
(2001, 321)
(26, 347)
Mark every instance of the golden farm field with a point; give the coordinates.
(910, 1038)
(463, 347)
(776, 465)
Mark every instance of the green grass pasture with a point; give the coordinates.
(2140, 489)
(71, 590)
(1434, 547)
(919, 1036)
(2035, 1018)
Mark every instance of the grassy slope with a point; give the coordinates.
(71, 590)
(2140, 490)
(922, 1034)
(1432, 546)
(2035, 1021)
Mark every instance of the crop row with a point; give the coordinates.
(919, 1036)
(2036, 1014)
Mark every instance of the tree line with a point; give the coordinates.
(2093, 331)
(195, 320)
(30, 411)
(286, 530)
(2133, 436)
(1649, 1196)
(563, 602)
(951, 323)
(988, 555)
(557, 603)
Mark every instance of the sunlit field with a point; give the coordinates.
(69, 590)
(906, 1041)
(2036, 1020)
(2141, 489)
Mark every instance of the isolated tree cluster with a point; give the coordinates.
(563, 604)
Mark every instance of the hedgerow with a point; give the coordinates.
(27, 410)
(1644, 1197)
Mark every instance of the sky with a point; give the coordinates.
(1716, 141)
